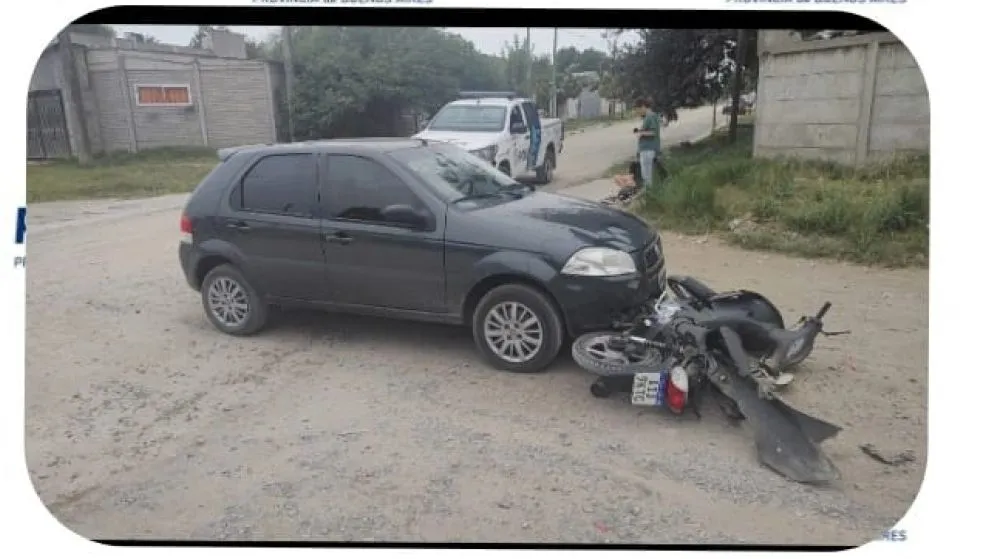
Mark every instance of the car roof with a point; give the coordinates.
(375, 145)
(501, 101)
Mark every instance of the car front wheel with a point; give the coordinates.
(518, 329)
(231, 303)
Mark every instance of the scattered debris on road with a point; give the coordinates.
(895, 459)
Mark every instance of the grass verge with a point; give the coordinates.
(876, 214)
(120, 175)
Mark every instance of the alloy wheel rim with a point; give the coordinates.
(598, 348)
(228, 302)
(513, 332)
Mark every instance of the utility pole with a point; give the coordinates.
(737, 84)
(73, 102)
(528, 62)
(611, 37)
(288, 74)
(553, 105)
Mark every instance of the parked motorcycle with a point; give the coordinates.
(733, 345)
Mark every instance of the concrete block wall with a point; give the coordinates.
(231, 100)
(225, 43)
(899, 119)
(852, 100)
(238, 100)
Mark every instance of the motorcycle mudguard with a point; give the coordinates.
(787, 440)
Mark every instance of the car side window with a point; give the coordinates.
(282, 184)
(516, 116)
(358, 189)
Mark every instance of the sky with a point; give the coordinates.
(487, 39)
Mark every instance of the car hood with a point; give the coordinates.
(553, 224)
(469, 141)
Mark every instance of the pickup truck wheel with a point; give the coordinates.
(231, 303)
(517, 329)
(545, 173)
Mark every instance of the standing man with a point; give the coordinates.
(648, 144)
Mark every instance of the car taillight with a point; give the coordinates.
(676, 393)
(186, 227)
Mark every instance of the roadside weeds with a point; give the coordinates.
(140, 175)
(877, 214)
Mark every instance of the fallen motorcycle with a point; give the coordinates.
(734, 345)
(632, 184)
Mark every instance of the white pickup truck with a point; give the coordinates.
(505, 130)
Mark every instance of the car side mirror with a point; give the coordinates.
(518, 128)
(403, 214)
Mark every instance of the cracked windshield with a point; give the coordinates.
(457, 175)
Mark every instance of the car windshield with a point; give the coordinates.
(456, 174)
(469, 118)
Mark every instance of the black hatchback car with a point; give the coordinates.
(414, 230)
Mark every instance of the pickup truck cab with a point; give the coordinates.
(414, 230)
(507, 132)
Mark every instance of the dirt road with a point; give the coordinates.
(144, 422)
(587, 155)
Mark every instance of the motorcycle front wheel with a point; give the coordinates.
(593, 354)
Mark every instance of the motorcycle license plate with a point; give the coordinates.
(648, 389)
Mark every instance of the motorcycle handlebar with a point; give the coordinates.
(822, 312)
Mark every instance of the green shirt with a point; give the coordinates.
(651, 122)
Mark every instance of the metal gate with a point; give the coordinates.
(48, 135)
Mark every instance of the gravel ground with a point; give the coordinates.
(144, 422)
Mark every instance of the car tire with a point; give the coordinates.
(544, 174)
(229, 284)
(527, 345)
(505, 168)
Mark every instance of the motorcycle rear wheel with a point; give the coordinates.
(591, 353)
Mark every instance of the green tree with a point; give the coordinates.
(197, 41)
(141, 38)
(591, 60)
(363, 81)
(678, 68)
(516, 55)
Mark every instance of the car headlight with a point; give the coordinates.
(487, 153)
(596, 261)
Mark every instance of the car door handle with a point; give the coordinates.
(238, 225)
(340, 237)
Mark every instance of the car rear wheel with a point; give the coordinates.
(231, 303)
(518, 329)
(545, 172)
